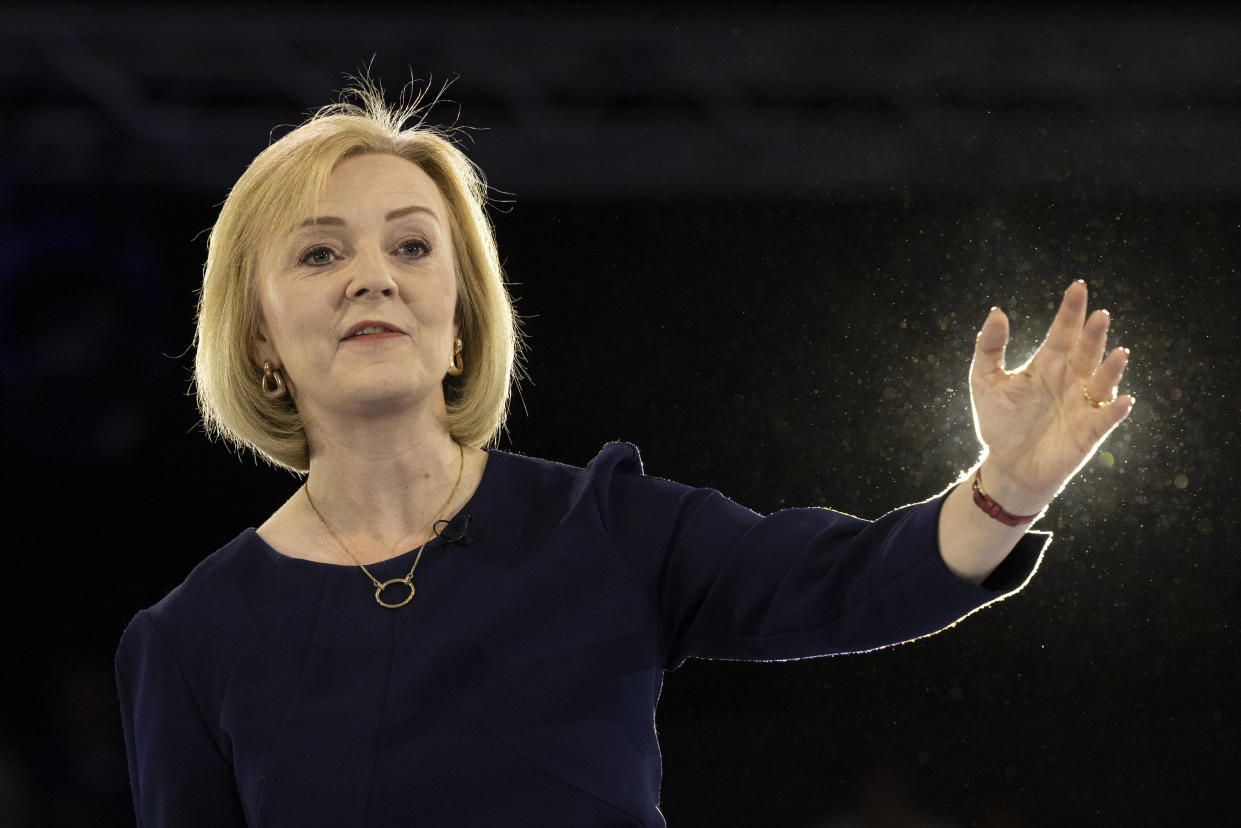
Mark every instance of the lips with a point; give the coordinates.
(371, 327)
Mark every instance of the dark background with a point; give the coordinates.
(757, 242)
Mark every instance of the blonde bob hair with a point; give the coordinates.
(280, 189)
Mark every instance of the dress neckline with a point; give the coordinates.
(480, 495)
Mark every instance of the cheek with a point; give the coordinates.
(445, 302)
(278, 321)
(284, 316)
(270, 316)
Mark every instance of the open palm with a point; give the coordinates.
(1038, 426)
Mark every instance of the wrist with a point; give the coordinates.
(1008, 494)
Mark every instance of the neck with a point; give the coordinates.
(382, 484)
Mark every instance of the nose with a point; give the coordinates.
(371, 275)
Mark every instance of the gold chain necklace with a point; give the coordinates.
(408, 580)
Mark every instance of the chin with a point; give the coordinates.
(391, 394)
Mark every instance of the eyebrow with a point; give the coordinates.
(395, 214)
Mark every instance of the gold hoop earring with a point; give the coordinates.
(458, 365)
(271, 383)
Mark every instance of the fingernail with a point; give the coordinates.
(1106, 312)
(1126, 350)
(995, 307)
(1079, 281)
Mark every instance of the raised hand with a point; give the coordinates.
(1043, 421)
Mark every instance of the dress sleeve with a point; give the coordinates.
(178, 774)
(731, 584)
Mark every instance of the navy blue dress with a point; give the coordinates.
(519, 686)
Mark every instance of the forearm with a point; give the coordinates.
(971, 542)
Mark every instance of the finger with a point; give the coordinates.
(1067, 326)
(1103, 383)
(989, 348)
(1124, 407)
(1110, 416)
(1090, 345)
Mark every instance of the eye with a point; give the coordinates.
(317, 256)
(415, 248)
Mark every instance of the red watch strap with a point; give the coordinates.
(994, 509)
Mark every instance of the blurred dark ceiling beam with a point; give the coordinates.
(783, 103)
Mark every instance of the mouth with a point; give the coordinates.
(371, 330)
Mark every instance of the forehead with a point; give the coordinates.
(364, 185)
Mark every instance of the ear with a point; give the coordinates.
(262, 349)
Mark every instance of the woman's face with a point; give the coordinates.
(358, 303)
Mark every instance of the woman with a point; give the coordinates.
(431, 633)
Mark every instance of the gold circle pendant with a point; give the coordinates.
(403, 582)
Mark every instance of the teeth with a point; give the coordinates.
(371, 329)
